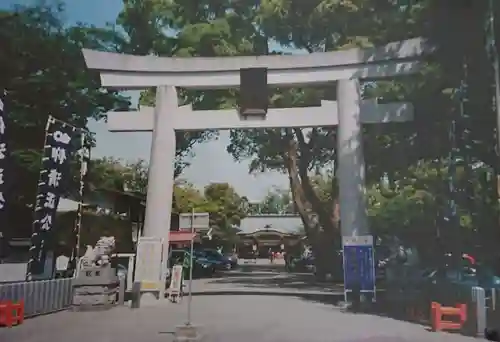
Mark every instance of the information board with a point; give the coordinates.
(176, 281)
(148, 269)
(201, 221)
(359, 263)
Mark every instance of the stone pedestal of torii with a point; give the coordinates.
(349, 112)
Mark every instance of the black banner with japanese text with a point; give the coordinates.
(55, 174)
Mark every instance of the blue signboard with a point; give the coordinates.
(359, 265)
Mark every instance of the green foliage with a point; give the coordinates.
(224, 205)
(181, 28)
(44, 73)
(187, 198)
(407, 171)
(277, 201)
(113, 174)
(220, 200)
(391, 149)
(93, 227)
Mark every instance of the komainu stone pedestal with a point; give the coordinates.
(95, 289)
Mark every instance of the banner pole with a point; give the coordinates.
(84, 158)
(34, 235)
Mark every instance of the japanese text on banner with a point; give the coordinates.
(54, 174)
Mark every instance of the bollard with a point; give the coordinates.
(493, 299)
(136, 295)
(121, 291)
(479, 308)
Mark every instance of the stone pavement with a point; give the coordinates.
(237, 282)
(264, 278)
(225, 319)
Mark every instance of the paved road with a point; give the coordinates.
(225, 319)
(232, 317)
(264, 282)
(262, 277)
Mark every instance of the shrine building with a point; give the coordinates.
(264, 231)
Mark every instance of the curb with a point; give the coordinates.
(310, 294)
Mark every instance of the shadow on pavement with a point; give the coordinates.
(416, 313)
(305, 282)
(308, 288)
(246, 274)
(305, 287)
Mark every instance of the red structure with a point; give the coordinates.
(11, 313)
(438, 312)
(179, 239)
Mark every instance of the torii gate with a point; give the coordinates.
(348, 112)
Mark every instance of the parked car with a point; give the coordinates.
(233, 258)
(302, 264)
(220, 261)
(465, 277)
(202, 267)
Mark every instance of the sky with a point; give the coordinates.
(211, 162)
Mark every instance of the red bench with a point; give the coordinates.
(11, 313)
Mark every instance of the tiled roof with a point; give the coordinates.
(281, 223)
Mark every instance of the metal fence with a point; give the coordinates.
(40, 297)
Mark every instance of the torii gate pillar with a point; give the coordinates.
(351, 161)
(161, 167)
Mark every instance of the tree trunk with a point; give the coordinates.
(322, 240)
(303, 207)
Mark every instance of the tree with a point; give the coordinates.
(393, 152)
(187, 198)
(456, 114)
(44, 73)
(219, 200)
(151, 28)
(136, 176)
(313, 26)
(105, 173)
(109, 173)
(277, 201)
(224, 205)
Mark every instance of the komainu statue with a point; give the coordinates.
(100, 255)
(96, 284)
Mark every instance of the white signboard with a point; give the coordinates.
(200, 221)
(363, 240)
(148, 265)
(176, 281)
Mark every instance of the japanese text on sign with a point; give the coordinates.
(359, 265)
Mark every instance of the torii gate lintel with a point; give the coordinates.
(187, 119)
